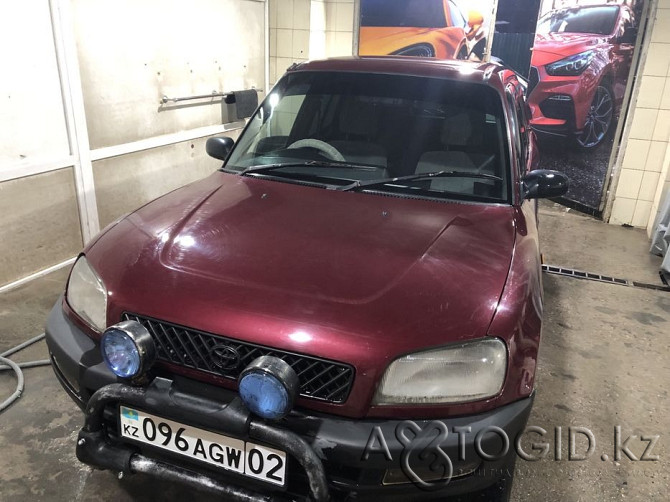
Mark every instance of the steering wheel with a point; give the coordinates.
(329, 150)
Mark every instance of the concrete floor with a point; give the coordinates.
(603, 363)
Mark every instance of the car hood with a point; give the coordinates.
(552, 47)
(386, 40)
(354, 277)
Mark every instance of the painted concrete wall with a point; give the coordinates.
(136, 52)
(31, 109)
(129, 181)
(127, 55)
(39, 223)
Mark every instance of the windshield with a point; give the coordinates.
(412, 13)
(339, 128)
(597, 20)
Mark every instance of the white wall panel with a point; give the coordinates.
(126, 183)
(39, 223)
(32, 124)
(132, 53)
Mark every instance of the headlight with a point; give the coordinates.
(419, 50)
(571, 66)
(87, 295)
(454, 374)
(128, 349)
(268, 386)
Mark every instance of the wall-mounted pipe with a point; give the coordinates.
(214, 94)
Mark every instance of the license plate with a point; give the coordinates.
(231, 454)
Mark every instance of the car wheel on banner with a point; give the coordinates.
(598, 121)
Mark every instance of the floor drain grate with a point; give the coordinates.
(578, 274)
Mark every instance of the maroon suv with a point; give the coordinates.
(349, 309)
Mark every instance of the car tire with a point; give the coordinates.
(599, 121)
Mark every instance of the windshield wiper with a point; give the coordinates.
(418, 176)
(310, 163)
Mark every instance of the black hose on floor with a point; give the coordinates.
(7, 364)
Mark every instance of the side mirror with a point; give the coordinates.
(544, 183)
(629, 35)
(219, 147)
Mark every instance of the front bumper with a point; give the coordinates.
(355, 459)
(559, 104)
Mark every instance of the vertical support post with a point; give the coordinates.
(75, 116)
(491, 33)
(266, 57)
(357, 27)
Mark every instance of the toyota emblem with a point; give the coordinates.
(225, 357)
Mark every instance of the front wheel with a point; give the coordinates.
(599, 120)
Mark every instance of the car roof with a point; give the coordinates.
(491, 73)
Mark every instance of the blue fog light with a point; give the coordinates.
(128, 349)
(268, 387)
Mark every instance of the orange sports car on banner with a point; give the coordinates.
(427, 28)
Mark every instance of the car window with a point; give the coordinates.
(457, 17)
(596, 20)
(411, 13)
(362, 126)
(286, 112)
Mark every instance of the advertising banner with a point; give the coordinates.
(444, 29)
(581, 66)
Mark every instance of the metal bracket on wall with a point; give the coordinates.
(578, 274)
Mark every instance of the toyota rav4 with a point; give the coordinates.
(349, 308)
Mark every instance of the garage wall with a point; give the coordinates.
(289, 34)
(339, 27)
(39, 219)
(86, 137)
(123, 183)
(33, 106)
(39, 223)
(643, 178)
(309, 29)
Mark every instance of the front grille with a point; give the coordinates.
(533, 79)
(319, 378)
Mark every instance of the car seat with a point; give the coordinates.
(462, 138)
(358, 124)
